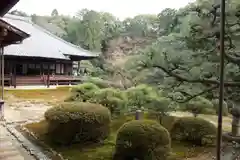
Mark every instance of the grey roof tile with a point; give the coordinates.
(41, 43)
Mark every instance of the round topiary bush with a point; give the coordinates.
(143, 140)
(78, 122)
(216, 106)
(195, 130)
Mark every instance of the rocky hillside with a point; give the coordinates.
(125, 46)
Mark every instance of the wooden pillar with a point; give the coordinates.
(11, 72)
(48, 75)
(55, 66)
(78, 67)
(41, 69)
(14, 75)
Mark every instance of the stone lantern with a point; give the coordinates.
(234, 135)
(235, 122)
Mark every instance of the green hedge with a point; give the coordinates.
(78, 122)
(142, 139)
(195, 130)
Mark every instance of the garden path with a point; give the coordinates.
(10, 149)
(18, 111)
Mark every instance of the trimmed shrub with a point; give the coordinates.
(101, 83)
(140, 96)
(195, 130)
(216, 107)
(78, 122)
(83, 92)
(161, 105)
(111, 98)
(143, 140)
(199, 105)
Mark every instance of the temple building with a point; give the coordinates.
(42, 58)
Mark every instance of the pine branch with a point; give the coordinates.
(190, 97)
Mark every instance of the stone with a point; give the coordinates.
(8, 149)
(138, 115)
(236, 126)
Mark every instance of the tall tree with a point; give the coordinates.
(190, 58)
(54, 13)
(19, 13)
(167, 21)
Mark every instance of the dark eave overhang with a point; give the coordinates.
(6, 5)
(14, 35)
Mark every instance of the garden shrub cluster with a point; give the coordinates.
(72, 122)
(117, 101)
(86, 118)
(195, 130)
(143, 140)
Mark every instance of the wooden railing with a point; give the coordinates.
(29, 80)
(10, 80)
(63, 79)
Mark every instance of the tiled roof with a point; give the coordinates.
(41, 43)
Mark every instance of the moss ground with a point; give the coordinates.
(48, 95)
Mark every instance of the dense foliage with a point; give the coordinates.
(113, 99)
(83, 92)
(144, 140)
(78, 123)
(189, 55)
